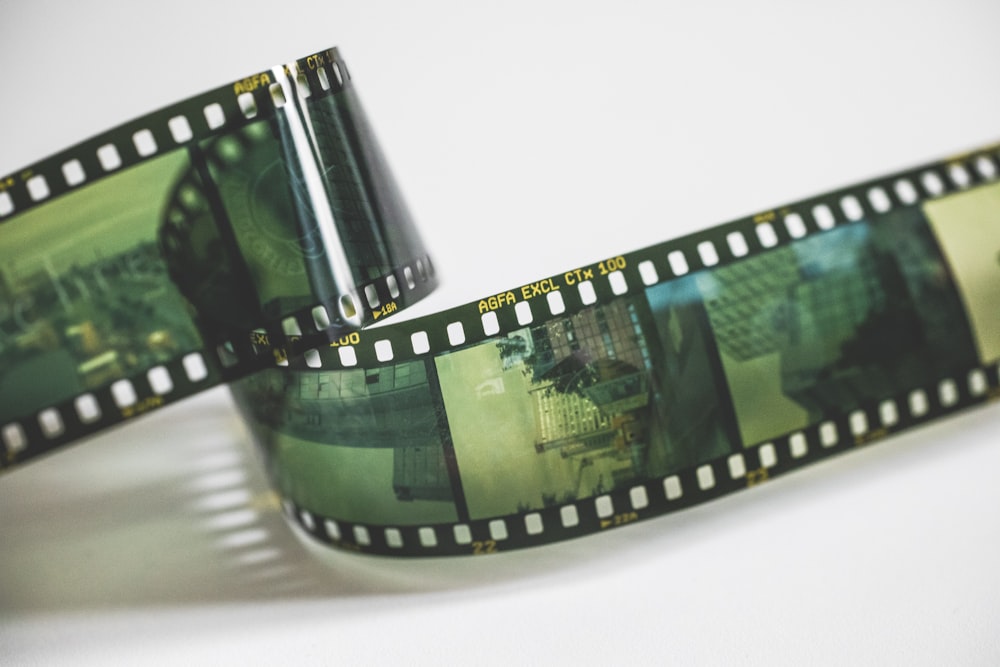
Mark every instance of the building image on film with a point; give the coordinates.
(813, 330)
(385, 422)
(558, 411)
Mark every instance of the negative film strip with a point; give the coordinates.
(598, 396)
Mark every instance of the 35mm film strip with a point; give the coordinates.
(595, 397)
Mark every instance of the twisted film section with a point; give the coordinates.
(252, 233)
(189, 246)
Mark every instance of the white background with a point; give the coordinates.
(529, 138)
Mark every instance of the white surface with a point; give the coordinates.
(529, 138)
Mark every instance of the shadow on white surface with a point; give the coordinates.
(174, 511)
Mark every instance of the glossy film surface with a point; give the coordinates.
(253, 233)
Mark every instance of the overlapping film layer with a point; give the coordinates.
(257, 250)
(189, 246)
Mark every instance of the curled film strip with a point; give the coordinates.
(189, 246)
(612, 392)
